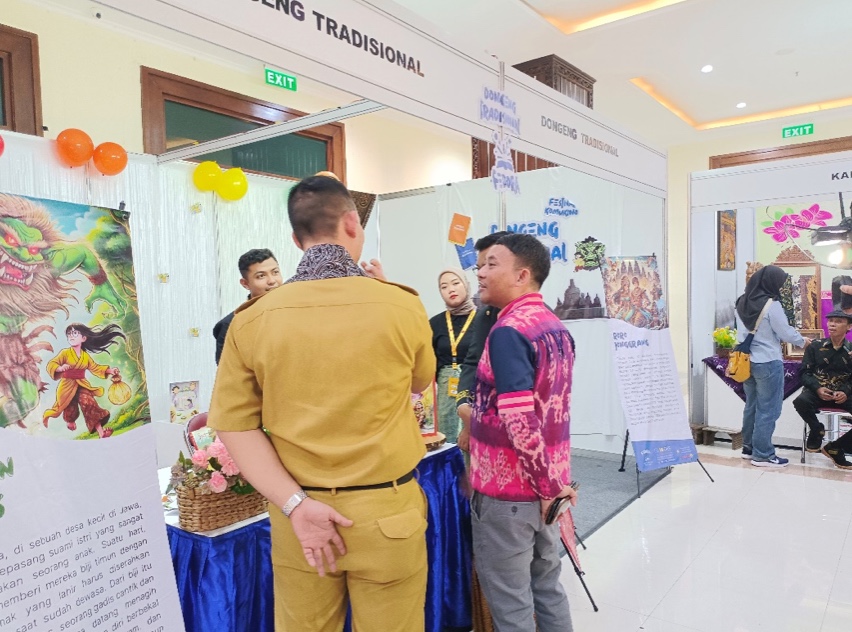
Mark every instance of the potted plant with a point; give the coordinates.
(725, 339)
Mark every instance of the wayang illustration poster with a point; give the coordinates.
(634, 291)
(71, 362)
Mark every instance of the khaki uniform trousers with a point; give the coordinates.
(383, 574)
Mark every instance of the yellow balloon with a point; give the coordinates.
(232, 185)
(206, 176)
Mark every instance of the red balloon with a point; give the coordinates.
(110, 158)
(2, 145)
(75, 147)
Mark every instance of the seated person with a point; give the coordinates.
(826, 377)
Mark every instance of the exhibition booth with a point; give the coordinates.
(167, 251)
(741, 218)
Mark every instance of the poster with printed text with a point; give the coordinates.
(71, 362)
(83, 544)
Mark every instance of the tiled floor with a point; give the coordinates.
(756, 550)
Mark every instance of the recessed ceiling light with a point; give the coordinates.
(707, 68)
(741, 105)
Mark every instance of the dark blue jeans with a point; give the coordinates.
(764, 392)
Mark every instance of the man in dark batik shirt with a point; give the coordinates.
(827, 383)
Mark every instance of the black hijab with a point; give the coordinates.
(764, 284)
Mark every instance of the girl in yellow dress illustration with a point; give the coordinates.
(74, 392)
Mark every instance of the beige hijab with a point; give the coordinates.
(467, 306)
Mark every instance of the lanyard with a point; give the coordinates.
(454, 342)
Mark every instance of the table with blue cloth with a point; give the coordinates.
(225, 581)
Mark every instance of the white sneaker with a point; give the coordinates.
(775, 461)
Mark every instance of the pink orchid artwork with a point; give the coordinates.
(815, 216)
(782, 228)
(789, 225)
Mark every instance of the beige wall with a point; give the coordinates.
(685, 159)
(90, 80)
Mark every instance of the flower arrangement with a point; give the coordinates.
(211, 470)
(725, 337)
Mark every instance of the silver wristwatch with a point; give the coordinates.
(295, 500)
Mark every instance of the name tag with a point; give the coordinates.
(453, 386)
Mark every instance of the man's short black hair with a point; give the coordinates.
(486, 242)
(530, 253)
(257, 255)
(315, 207)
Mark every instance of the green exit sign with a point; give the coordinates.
(275, 78)
(798, 130)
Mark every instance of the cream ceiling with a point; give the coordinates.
(790, 57)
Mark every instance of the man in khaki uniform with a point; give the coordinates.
(327, 363)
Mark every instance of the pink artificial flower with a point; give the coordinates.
(815, 215)
(217, 450)
(229, 468)
(200, 459)
(217, 483)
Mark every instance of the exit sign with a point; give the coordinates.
(798, 130)
(275, 78)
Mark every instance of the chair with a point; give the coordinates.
(196, 423)
(831, 423)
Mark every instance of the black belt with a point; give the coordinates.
(354, 488)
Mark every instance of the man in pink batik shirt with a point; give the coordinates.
(520, 442)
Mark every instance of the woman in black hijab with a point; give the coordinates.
(764, 390)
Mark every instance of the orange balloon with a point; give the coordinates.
(110, 158)
(75, 147)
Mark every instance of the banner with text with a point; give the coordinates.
(650, 396)
(83, 543)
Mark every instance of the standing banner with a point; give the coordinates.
(644, 363)
(650, 396)
(89, 556)
(70, 346)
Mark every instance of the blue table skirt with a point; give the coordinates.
(225, 583)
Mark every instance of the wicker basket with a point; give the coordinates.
(205, 512)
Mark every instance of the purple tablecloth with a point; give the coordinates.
(792, 379)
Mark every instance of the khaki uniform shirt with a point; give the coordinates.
(328, 367)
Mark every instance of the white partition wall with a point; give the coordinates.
(413, 229)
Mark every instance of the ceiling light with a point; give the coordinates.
(707, 68)
(741, 105)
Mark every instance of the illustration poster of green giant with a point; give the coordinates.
(70, 347)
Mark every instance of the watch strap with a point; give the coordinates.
(295, 500)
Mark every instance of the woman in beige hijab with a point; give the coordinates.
(450, 340)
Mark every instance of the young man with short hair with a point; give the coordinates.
(259, 274)
(827, 383)
(520, 442)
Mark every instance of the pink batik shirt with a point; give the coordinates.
(520, 441)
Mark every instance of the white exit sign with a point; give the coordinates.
(798, 130)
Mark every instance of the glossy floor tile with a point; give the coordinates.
(755, 550)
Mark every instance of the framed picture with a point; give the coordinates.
(726, 235)
(803, 295)
(792, 352)
(426, 410)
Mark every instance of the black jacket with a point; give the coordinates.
(484, 320)
(220, 331)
